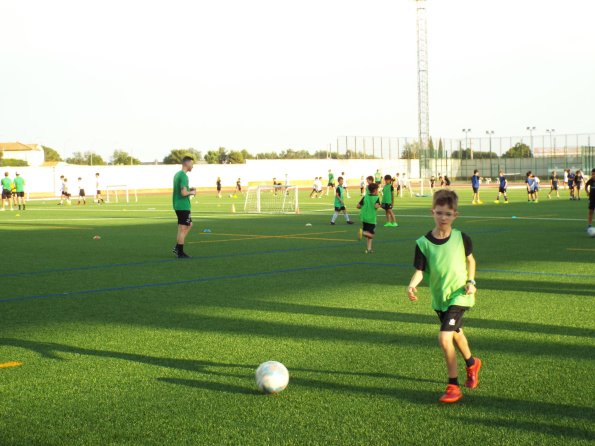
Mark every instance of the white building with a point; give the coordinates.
(32, 153)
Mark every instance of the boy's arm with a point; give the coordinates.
(417, 277)
(360, 204)
(470, 286)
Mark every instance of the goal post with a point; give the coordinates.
(115, 189)
(272, 200)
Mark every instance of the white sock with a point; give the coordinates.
(346, 216)
(335, 215)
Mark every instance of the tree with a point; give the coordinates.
(13, 162)
(440, 149)
(50, 154)
(410, 150)
(176, 155)
(217, 156)
(86, 159)
(431, 150)
(235, 157)
(519, 150)
(122, 157)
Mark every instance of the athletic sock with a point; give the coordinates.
(454, 381)
(346, 216)
(179, 248)
(470, 361)
(335, 215)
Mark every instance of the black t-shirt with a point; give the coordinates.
(420, 262)
(591, 184)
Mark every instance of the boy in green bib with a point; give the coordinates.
(445, 254)
(388, 198)
(367, 214)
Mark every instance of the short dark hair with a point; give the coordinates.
(339, 179)
(370, 178)
(445, 197)
(373, 187)
(475, 171)
(593, 170)
(186, 159)
(388, 177)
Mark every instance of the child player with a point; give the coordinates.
(502, 185)
(340, 203)
(388, 198)
(554, 185)
(81, 189)
(475, 180)
(362, 186)
(590, 190)
(367, 215)
(445, 254)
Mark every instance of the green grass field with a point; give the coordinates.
(120, 343)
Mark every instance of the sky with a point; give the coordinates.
(268, 75)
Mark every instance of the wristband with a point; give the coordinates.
(472, 282)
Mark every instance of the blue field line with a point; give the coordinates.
(211, 257)
(178, 282)
(493, 270)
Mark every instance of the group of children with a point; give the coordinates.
(65, 195)
(13, 192)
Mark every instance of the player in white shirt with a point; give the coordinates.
(98, 189)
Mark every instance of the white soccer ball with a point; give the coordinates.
(591, 231)
(272, 377)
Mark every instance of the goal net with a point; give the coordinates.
(415, 187)
(272, 199)
(116, 190)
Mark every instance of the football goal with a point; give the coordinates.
(119, 189)
(272, 200)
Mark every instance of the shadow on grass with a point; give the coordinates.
(210, 385)
(546, 428)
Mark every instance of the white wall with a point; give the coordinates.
(47, 179)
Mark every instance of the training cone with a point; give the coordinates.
(233, 208)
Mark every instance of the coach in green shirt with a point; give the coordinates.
(181, 203)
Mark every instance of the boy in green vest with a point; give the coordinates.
(388, 198)
(367, 215)
(340, 203)
(446, 255)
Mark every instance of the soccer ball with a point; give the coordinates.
(272, 377)
(591, 231)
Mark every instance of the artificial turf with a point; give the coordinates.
(120, 343)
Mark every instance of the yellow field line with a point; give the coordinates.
(6, 365)
(580, 249)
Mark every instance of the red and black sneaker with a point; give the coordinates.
(452, 394)
(473, 374)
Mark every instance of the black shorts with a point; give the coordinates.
(399, 187)
(330, 184)
(378, 183)
(570, 185)
(6, 194)
(369, 227)
(386, 206)
(591, 204)
(184, 218)
(20, 194)
(81, 192)
(475, 190)
(502, 190)
(554, 187)
(218, 188)
(452, 319)
(342, 208)
(98, 192)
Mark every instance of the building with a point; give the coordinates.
(31, 153)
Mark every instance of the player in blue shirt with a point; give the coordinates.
(475, 179)
(502, 185)
(531, 186)
(571, 177)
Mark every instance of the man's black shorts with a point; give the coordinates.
(81, 192)
(369, 227)
(502, 190)
(452, 319)
(386, 206)
(6, 194)
(331, 184)
(475, 190)
(20, 194)
(184, 218)
(98, 192)
(592, 205)
(342, 208)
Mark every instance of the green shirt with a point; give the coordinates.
(180, 202)
(19, 183)
(339, 192)
(367, 212)
(378, 177)
(6, 183)
(387, 194)
(331, 177)
(447, 271)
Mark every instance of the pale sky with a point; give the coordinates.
(262, 75)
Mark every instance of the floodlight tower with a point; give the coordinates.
(423, 106)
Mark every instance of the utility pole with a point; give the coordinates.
(423, 106)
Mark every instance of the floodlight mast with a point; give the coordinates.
(423, 107)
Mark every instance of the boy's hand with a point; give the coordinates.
(411, 293)
(470, 288)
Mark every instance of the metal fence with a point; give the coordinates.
(459, 157)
